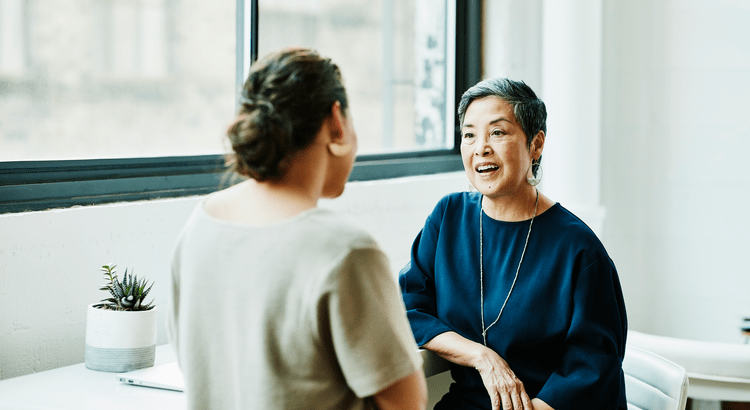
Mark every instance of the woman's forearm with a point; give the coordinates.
(456, 349)
(408, 393)
(540, 405)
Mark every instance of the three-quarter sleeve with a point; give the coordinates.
(590, 372)
(417, 281)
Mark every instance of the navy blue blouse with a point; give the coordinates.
(564, 327)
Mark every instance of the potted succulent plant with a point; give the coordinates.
(121, 329)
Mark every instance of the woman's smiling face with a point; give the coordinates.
(493, 148)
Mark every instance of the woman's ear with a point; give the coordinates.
(338, 149)
(337, 144)
(537, 145)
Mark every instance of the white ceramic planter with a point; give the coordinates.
(120, 341)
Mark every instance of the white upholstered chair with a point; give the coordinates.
(717, 371)
(653, 382)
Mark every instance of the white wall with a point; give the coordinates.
(49, 265)
(676, 80)
(505, 52)
(49, 260)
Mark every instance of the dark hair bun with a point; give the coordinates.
(261, 138)
(287, 96)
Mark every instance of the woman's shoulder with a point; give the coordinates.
(331, 228)
(563, 217)
(461, 197)
(458, 200)
(453, 205)
(316, 228)
(568, 228)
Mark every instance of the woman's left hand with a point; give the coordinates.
(505, 389)
(501, 382)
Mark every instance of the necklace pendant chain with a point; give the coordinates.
(481, 269)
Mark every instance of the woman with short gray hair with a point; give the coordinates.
(510, 287)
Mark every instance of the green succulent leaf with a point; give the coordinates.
(118, 289)
(133, 286)
(145, 293)
(149, 306)
(128, 293)
(125, 279)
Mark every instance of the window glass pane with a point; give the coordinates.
(115, 78)
(394, 59)
(139, 78)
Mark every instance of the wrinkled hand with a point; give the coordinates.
(505, 389)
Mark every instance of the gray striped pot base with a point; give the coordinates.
(119, 360)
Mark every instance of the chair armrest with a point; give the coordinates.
(433, 364)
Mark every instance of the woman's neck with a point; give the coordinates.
(513, 208)
(260, 203)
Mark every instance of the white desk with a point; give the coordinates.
(78, 388)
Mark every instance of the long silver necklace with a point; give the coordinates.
(481, 270)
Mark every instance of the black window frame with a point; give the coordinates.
(41, 185)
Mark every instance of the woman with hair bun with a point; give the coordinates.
(276, 303)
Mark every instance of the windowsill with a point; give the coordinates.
(40, 185)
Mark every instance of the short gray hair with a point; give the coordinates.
(530, 111)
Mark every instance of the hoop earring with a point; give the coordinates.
(535, 180)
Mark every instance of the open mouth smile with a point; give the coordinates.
(486, 168)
